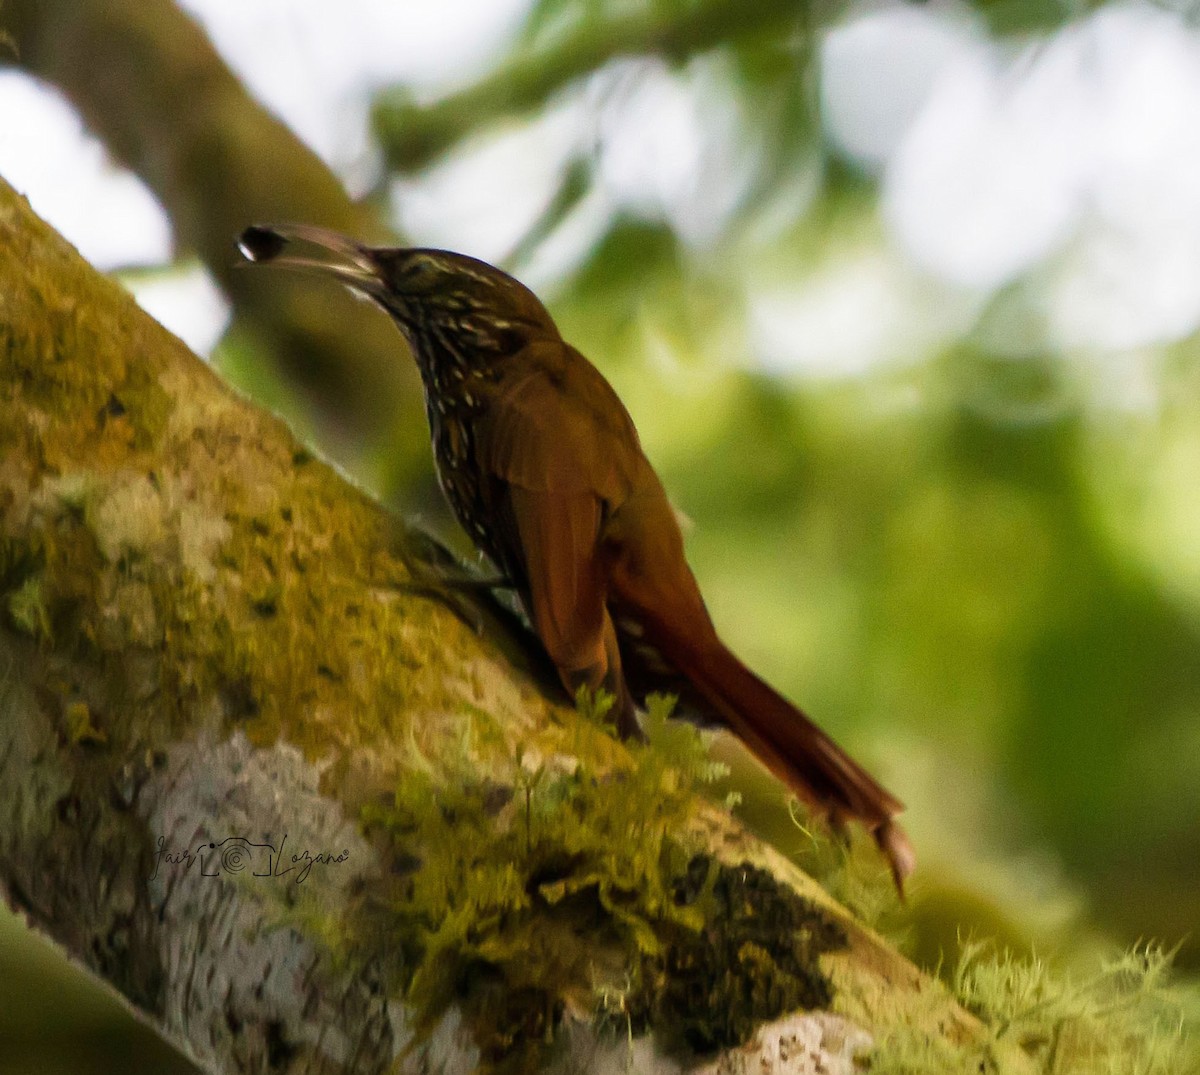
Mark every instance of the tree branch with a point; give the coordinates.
(413, 135)
(306, 821)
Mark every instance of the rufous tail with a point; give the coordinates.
(793, 748)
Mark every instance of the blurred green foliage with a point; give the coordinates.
(1125, 1017)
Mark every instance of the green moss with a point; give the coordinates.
(49, 579)
(80, 728)
(22, 597)
(850, 868)
(145, 402)
(1127, 1018)
(565, 887)
(27, 609)
(20, 559)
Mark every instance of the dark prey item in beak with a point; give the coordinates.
(260, 244)
(318, 250)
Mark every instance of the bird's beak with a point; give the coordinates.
(314, 250)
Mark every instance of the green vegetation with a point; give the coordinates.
(569, 888)
(1128, 1018)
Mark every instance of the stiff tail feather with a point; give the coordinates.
(797, 751)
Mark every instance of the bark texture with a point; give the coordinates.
(305, 820)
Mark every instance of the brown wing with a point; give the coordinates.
(559, 451)
(566, 584)
(558, 426)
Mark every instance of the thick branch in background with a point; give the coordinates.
(413, 135)
(206, 649)
(149, 84)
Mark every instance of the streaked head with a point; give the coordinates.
(429, 293)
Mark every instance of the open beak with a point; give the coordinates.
(313, 250)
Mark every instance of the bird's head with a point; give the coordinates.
(437, 297)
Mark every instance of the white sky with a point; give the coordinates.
(1073, 162)
(1079, 155)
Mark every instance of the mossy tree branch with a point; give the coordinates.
(149, 84)
(206, 649)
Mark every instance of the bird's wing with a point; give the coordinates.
(566, 582)
(558, 427)
(560, 453)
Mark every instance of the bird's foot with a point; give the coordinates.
(628, 725)
(436, 574)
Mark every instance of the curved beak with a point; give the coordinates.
(314, 250)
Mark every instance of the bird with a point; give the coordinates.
(542, 467)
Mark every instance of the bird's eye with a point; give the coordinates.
(420, 267)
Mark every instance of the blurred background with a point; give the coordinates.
(904, 299)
